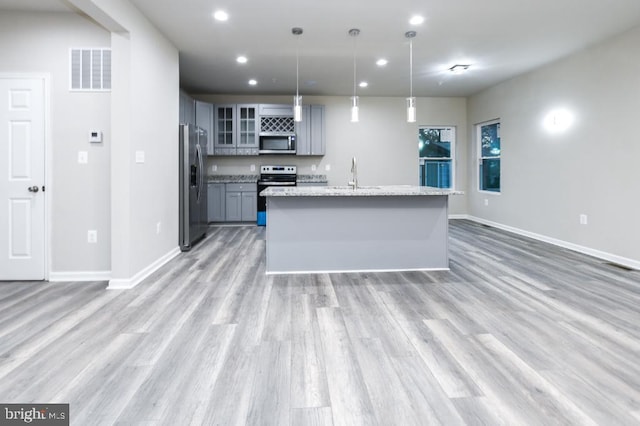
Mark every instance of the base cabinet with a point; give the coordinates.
(216, 200)
(240, 202)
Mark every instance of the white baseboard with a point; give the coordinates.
(79, 276)
(459, 216)
(609, 257)
(127, 283)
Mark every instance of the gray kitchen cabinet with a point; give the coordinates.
(187, 109)
(310, 132)
(248, 130)
(249, 206)
(276, 110)
(237, 130)
(204, 119)
(216, 202)
(224, 142)
(241, 202)
(233, 206)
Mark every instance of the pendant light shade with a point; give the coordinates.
(411, 110)
(297, 108)
(355, 109)
(411, 101)
(297, 99)
(355, 102)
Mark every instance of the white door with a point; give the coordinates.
(22, 173)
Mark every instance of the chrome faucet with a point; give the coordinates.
(354, 174)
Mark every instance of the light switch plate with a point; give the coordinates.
(83, 157)
(327, 167)
(139, 156)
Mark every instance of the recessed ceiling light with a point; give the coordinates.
(459, 69)
(381, 62)
(242, 59)
(363, 84)
(416, 20)
(253, 82)
(220, 15)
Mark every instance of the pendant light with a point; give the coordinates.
(411, 101)
(297, 99)
(355, 102)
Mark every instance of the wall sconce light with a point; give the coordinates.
(558, 120)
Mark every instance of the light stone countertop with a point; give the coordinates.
(362, 191)
(232, 178)
(254, 178)
(311, 178)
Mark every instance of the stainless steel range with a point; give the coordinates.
(273, 176)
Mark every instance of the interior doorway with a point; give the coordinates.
(22, 177)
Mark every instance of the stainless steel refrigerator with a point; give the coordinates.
(193, 186)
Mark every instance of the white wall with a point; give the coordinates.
(40, 42)
(144, 119)
(548, 180)
(385, 145)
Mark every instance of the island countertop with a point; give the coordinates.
(361, 191)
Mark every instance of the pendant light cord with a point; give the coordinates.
(354, 66)
(297, 65)
(411, 68)
(354, 32)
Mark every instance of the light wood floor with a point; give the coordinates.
(517, 333)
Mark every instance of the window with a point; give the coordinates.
(435, 152)
(488, 135)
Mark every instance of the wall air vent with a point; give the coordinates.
(90, 69)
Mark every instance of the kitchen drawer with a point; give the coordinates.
(241, 187)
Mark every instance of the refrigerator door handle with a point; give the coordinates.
(199, 172)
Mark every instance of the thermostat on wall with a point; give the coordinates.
(95, 136)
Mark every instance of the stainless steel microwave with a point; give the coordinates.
(277, 143)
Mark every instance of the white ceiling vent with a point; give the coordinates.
(90, 69)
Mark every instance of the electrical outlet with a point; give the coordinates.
(327, 167)
(313, 167)
(583, 219)
(214, 168)
(486, 201)
(253, 167)
(92, 236)
(158, 228)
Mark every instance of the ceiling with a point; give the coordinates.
(498, 38)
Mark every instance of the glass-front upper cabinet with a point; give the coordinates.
(436, 156)
(225, 142)
(248, 134)
(236, 129)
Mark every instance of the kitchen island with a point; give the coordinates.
(371, 228)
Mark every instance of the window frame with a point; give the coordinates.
(452, 151)
(480, 158)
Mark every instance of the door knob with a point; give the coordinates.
(33, 188)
